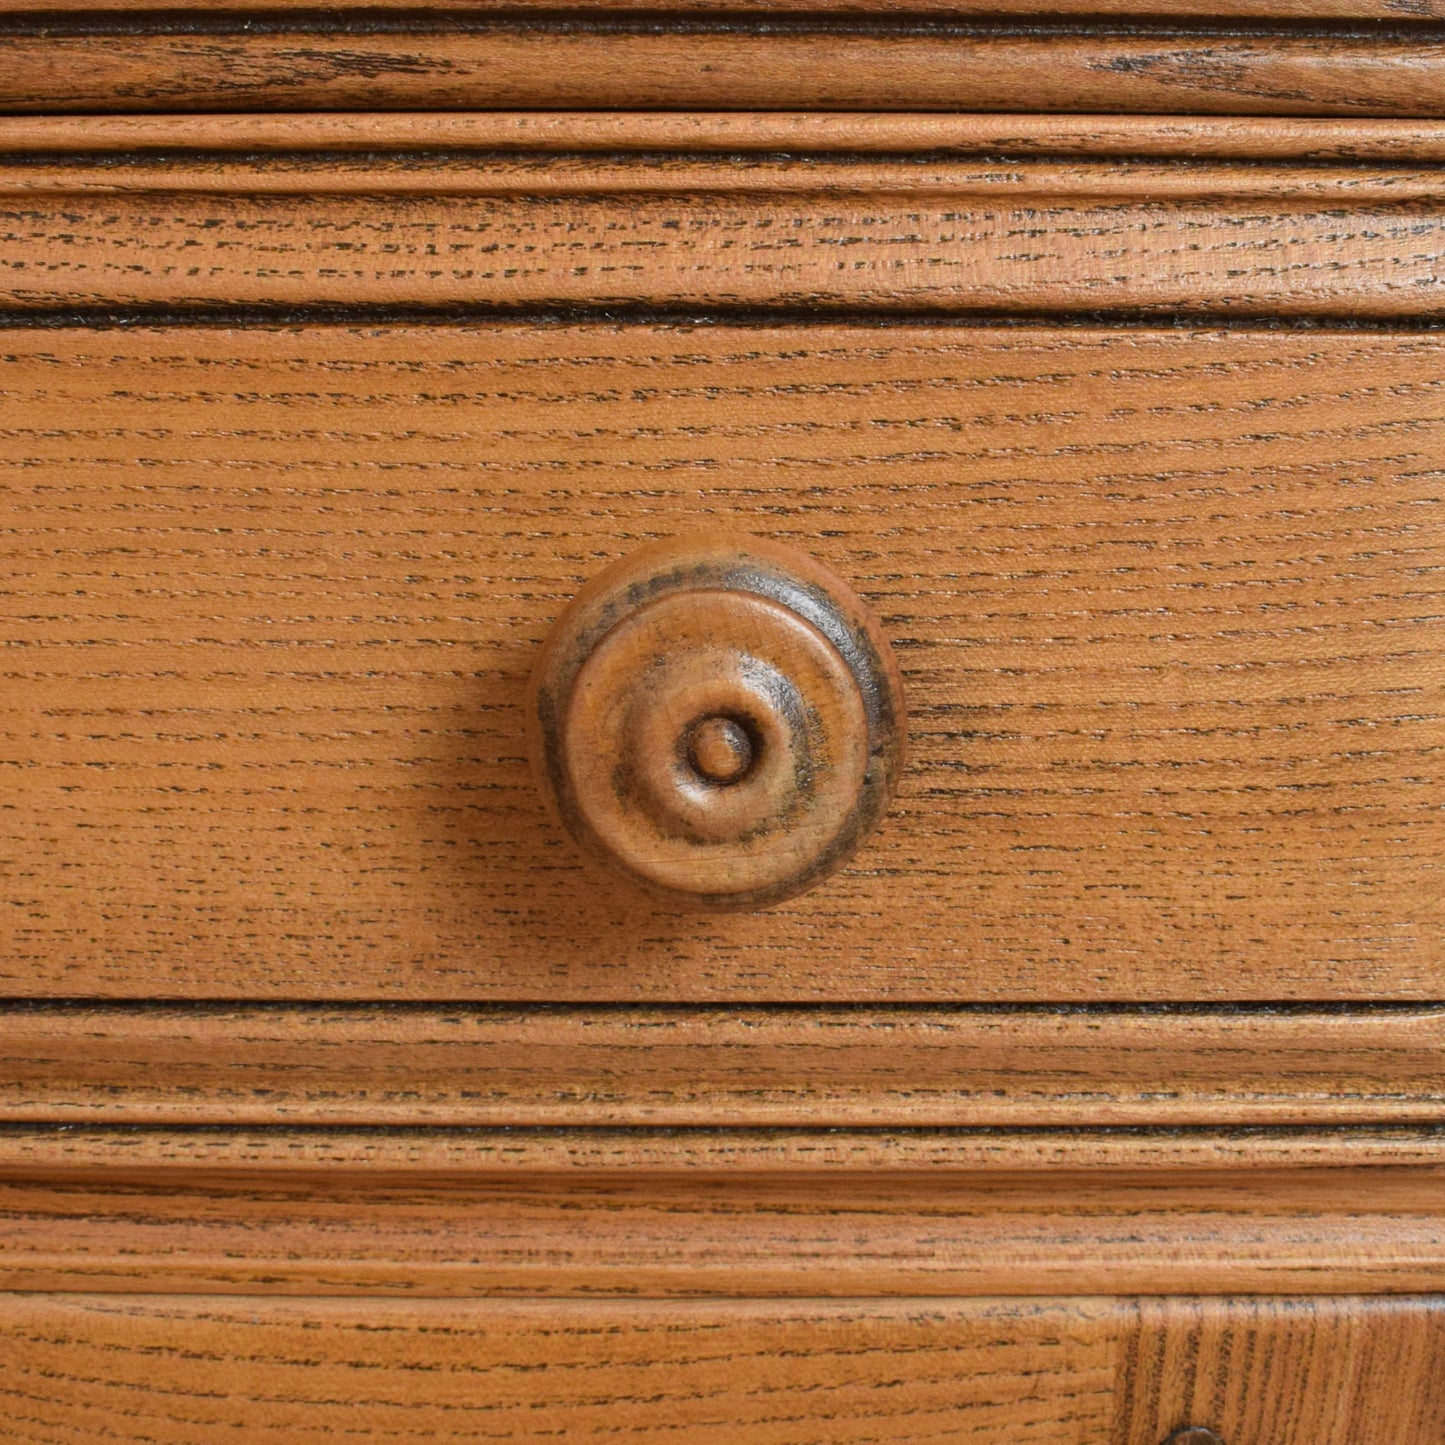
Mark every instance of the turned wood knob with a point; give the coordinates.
(719, 719)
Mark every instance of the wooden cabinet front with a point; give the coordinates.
(1162, 604)
(1095, 1098)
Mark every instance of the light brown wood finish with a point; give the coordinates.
(303, 1156)
(1166, 605)
(1326, 1372)
(185, 1371)
(520, 65)
(726, 1213)
(1170, 602)
(1294, 191)
(693, 232)
(1192, 138)
(744, 1066)
(1402, 12)
(282, 1372)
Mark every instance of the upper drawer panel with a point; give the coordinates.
(1167, 604)
(889, 59)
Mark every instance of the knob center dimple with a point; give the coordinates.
(720, 750)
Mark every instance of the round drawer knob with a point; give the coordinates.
(718, 718)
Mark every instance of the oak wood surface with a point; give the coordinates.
(1295, 191)
(246, 654)
(1065, 1371)
(519, 64)
(1326, 1372)
(153, 1156)
(128, 138)
(721, 1213)
(117, 13)
(743, 1066)
(279, 1372)
(903, 234)
(1166, 606)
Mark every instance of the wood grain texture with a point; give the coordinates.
(692, 232)
(128, 138)
(1080, 1371)
(91, 1155)
(628, 1213)
(823, 1068)
(1294, 191)
(186, 1370)
(520, 65)
(118, 12)
(1166, 605)
(526, 1371)
(1372, 1366)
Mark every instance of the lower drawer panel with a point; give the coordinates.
(1332, 1371)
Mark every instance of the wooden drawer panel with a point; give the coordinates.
(990, 1372)
(1167, 605)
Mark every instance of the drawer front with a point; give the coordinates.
(1166, 606)
(1030, 1372)
(1133, 449)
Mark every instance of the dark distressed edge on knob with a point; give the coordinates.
(730, 562)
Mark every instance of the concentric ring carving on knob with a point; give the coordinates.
(719, 718)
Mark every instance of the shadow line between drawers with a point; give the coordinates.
(461, 317)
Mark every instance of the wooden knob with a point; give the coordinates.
(718, 718)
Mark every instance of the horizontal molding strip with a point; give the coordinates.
(339, 1066)
(1143, 183)
(751, 65)
(454, 319)
(1194, 138)
(676, 1214)
(1018, 237)
(461, 1155)
(1397, 12)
